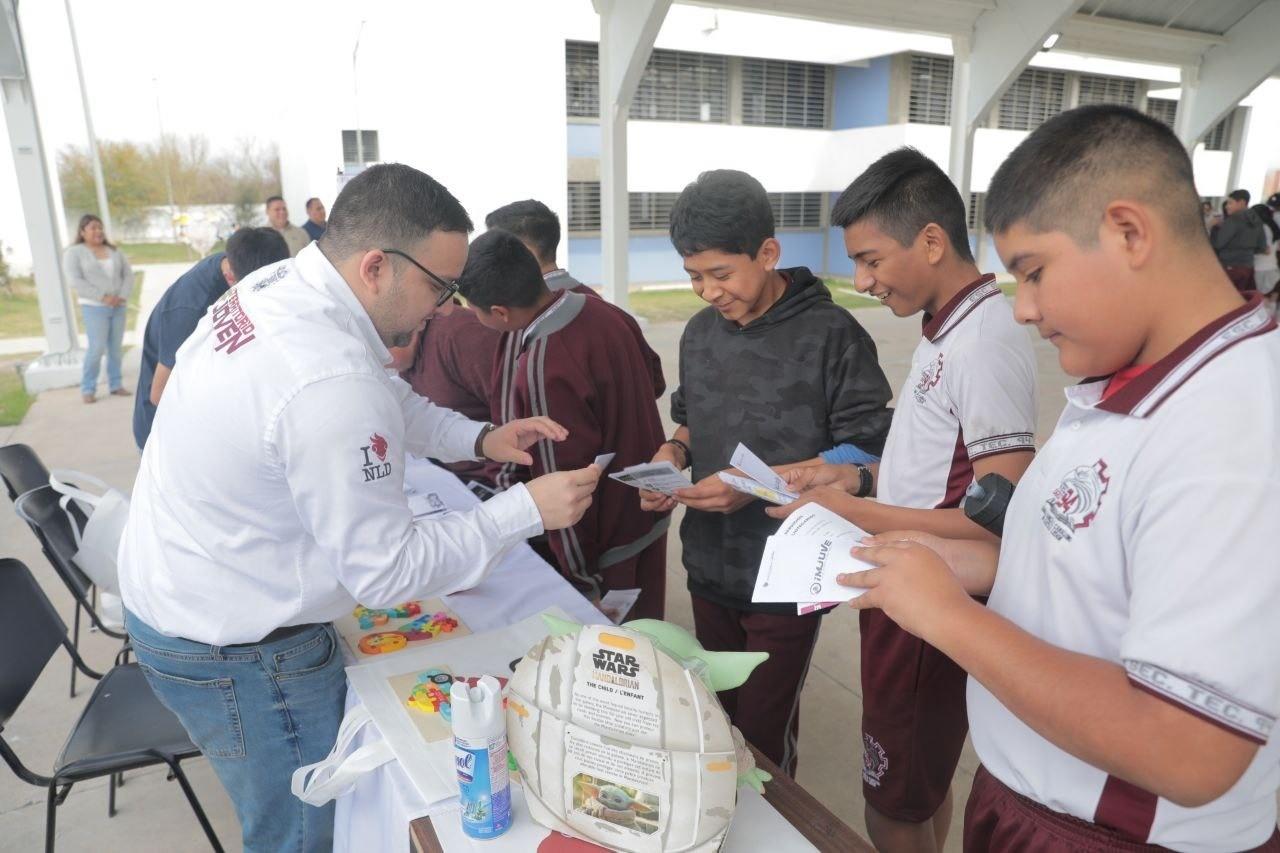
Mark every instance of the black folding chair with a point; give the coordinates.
(40, 510)
(21, 469)
(123, 725)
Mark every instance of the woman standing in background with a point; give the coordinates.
(103, 280)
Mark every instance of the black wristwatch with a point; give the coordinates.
(688, 454)
(488, 428)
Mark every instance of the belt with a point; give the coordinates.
(280, 634)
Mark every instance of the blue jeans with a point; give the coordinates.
(104, 327)
(258, 712)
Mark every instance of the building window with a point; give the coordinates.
(1034, 97)
(680, 86)
(352, 154)
(650, 211)
(796, 210)
(584, 205)
(1163, 109)
(1096, 89)
(675, 86)
(930, 99)
(582, 79)
(977, 210)
(784, 94)
(1219, 136)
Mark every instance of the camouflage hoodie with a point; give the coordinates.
(802, 378)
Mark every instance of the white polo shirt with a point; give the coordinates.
(271, 489)
(971, 393)
(1144, 534)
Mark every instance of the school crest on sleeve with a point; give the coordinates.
(1076, 501)
(930, 376)
(375, 465)
(874, 761)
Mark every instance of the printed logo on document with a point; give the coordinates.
(929, 378)
(1076, 501)
(375, 465)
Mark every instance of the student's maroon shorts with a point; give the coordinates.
(913, 721)
(997, 819)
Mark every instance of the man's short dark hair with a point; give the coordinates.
(901, 193)
(502, 271)
(724, 210)
(1063, 176)
(531, 221)
(390, 206)
(1240, 195)
(310, 202)
(252, 249)
(272, 198)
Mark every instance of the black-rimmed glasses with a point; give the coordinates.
(450, 288)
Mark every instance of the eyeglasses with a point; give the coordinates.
(449, 288)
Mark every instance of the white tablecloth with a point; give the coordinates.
(377, 813)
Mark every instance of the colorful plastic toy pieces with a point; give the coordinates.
(431, 693)
(428, 626)
(369, 618)
(383, 642)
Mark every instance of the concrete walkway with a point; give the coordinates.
(156, 279)
(153, 814)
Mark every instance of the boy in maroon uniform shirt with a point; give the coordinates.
(585, 361)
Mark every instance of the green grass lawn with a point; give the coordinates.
(159, 253)
(20, 312)
(14, 399)
(661, 306)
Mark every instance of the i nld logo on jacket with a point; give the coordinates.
(375, 465)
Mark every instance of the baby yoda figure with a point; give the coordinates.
(611, 803)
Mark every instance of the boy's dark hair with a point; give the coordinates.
(1240, 195)
(390, 206)
(501, 270)
(310, 202)
(252, 249)
(901, 193)
(1062, 176)
(724, 210)
(272, 198)
(531, 221)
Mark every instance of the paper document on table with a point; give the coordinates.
(660, 477)
(801, 561)
(755, 468)
(748, 486)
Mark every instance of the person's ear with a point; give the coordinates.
(934, 242)
(1128, 229)
(227, 272)
(375, 271)
(770, 253)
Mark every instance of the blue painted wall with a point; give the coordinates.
(860, 96)
(584, 140)
(651, 258)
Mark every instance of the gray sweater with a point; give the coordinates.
(86, 276)
(1240, 236)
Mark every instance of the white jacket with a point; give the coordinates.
(271, 489)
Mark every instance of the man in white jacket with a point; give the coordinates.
(270, 498)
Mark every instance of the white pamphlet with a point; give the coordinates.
(755, 468)
(660, 477)
(602, 461)
(750, 487)
(617, 603)
(801, 561)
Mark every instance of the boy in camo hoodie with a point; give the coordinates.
(774, 363)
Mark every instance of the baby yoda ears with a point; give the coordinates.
(725, 670)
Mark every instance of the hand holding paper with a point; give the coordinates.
(802, 560)
(661, 477)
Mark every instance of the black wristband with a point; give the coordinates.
(488, 428)
(688, 454)
(865, 481)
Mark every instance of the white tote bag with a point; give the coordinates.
(96, 546)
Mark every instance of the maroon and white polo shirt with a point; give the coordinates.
(1144, 534)
(971, 393)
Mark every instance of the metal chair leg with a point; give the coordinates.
(75, 644)
(111, 796)
(93, 602)
(196, 807)
(50, 819)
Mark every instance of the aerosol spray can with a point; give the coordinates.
(480, 753)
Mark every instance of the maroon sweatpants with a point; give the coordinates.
(998, 819)
(767, 707)
(646, 571)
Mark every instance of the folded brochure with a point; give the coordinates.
(802, 560)
(660, 477)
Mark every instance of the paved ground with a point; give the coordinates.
(153, 814)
